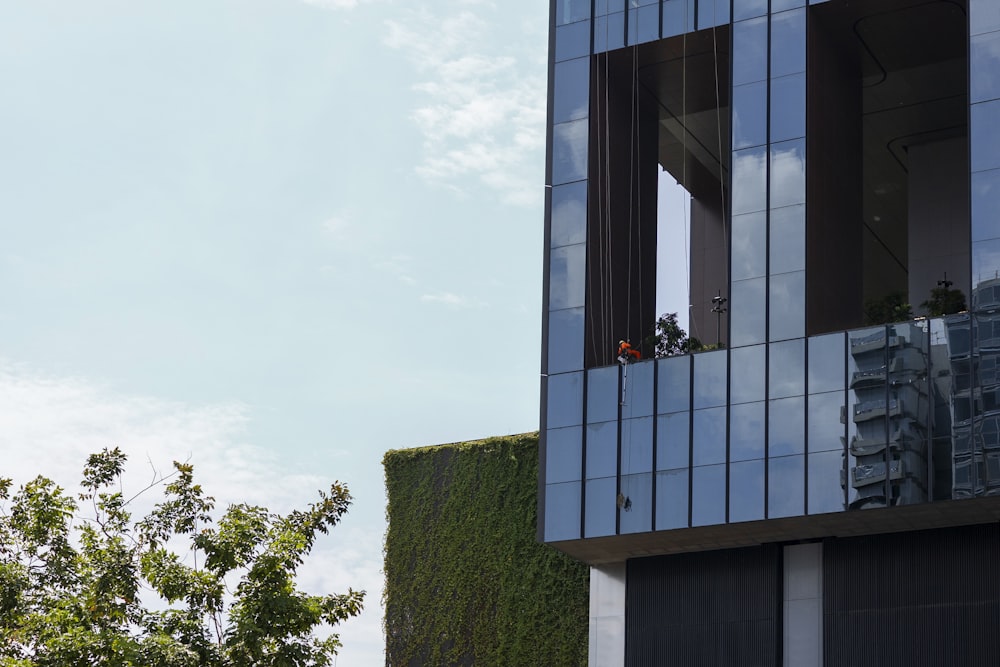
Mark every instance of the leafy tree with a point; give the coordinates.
(71, 585)
(892, 307)
(944, 301)
(669, 338)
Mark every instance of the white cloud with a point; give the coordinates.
(337, 226)
(483, 104)
(334, 4)
(453, 300)
(49, 424)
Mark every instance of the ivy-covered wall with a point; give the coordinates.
(466, 582)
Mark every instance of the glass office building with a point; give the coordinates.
(839, 155)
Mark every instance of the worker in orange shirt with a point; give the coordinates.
(627, 353)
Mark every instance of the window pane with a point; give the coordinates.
(786, 486)
(563, 454)
(749, 180)
(672, 443)
(787, 304)
(678, 17)
(826, 430)
(747, 374)
(749, 259)
(786, 369)
(746, 491)
(637, 445)
(984, 131)
(788, 173)
(602, 450)
(568, 11)
(712, 13)
(608, 6)
(609, 32)
(601, 508)
(708, 495)
(747, 312)
(786, 422)
(674, 380)
(637, 515)
(781, 5)
(788, 239)
(565, 340)
(750, 114)
(644, 24)
(638, 383)
(749, 51)
(788, 107)
(602, 394)
(564, 396)
(985, 269)
(709, 436)
(984, 16)
(825, 491)
(569, 151)
(573, 41)
(672, 499)
(746, 431)
(788, 42)
(567, 276)
(562, 511)
(744, 9)
(571, 90)
(826, 363)
(985, 204)
(984, 67)
(710, 379)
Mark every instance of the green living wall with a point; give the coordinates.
(466, 582)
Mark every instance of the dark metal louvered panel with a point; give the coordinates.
(709, 608)
(919, 598)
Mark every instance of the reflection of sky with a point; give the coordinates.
(710, 379)
(567, 275)
(746, 491)
(788, 173)
(749, 238)
(570, 151)
(747, 312)
(985, 261)
(749, 180)
(984, 63)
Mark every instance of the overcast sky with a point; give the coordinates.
(276, 237)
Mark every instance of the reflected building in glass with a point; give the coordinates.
(842, 159)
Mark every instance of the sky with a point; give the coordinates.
(272, 237)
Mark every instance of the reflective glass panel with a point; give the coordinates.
(672, 499)
(750, 114)
(644, 24)
(786, 369)
(788, 173)
(826, 429)
(826, 363)
(984, 130)
(602, 394)
(985, 268)
(746, 431)
(747, 312)
(562, 511)
(567, 276)
(563, 454)
(788, 107)
(782, 5)
(786, 486)
(710, 379)
(984, 67)
(986, 205)
(601, 507)
(569, 214)
(609, 32)
(787, 305)
(637, 514)
(748, 374)
(569, 11)
(984, 16)
(674, 384)
(608, 6)
(745, 9)
(788, 42)
(602, 449)
(749, 180)
(573, 41)
(786, 426)
(749, 51)
(565, 340)
(826, 471)
(638, 390)
(637, 445)
(569, 152)
(678, 17)
(708, 495)
(672, 444)
(712, 13)
(571, 90)
(749, 255)
(709, 436)
(788, 239)
(564, 396)
(746, 491)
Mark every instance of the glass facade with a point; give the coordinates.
(784, 422)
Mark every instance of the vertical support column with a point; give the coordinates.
(607, 616)
(802, 636)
